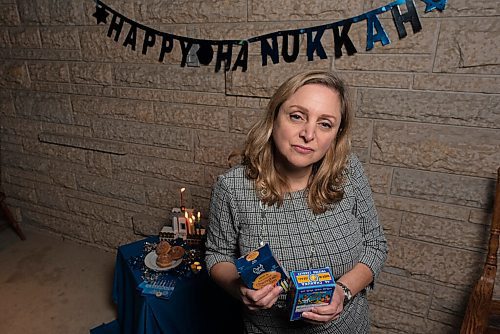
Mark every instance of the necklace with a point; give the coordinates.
(263, 223)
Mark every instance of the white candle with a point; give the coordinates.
(191, 226)
(175, 224)
(182, 202)
(186, 219)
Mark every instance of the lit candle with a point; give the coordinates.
(182, 202)
(186, 216)
(198, 225)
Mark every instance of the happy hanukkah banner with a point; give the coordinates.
(274, 46)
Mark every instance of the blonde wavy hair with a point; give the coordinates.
(325, 185)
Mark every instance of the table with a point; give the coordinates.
(197, 305)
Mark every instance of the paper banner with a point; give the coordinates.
(274, 47)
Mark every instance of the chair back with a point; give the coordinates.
(480, 306)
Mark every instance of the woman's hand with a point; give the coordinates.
(323, 314)
(260, 299)
(226, 276)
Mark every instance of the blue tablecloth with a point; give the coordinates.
(197, 305)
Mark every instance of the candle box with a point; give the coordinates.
(308, 289)
(260, 268)
(167, 233)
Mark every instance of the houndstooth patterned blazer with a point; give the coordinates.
(348, 233)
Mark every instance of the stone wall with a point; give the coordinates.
(97, 139)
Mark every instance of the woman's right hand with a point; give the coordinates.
(226, 276)
(260, 299)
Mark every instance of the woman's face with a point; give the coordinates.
(305, 127)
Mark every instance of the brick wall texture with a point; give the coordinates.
(97, 139)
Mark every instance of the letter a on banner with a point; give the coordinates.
(372, 22)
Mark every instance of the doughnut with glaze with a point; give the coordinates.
(164, 260)
(163, 247)
(177, 252)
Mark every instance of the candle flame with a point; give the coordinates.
(183, 189)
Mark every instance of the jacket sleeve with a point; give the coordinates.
(222, 229)
(374, 253)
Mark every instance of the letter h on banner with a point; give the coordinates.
(117, 26)
(410, 16)
(223, 56)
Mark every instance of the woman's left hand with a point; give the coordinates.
(323, 314)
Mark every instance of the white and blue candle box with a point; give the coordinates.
(308, 289)
(260, 268)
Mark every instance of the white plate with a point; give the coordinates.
(150, 262)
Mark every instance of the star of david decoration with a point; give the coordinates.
(434, 4)
(100, 14)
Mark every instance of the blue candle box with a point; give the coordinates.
(260, 268)
(308, 289)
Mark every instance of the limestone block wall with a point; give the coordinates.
(97, 139)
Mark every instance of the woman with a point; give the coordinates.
(300, 190)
